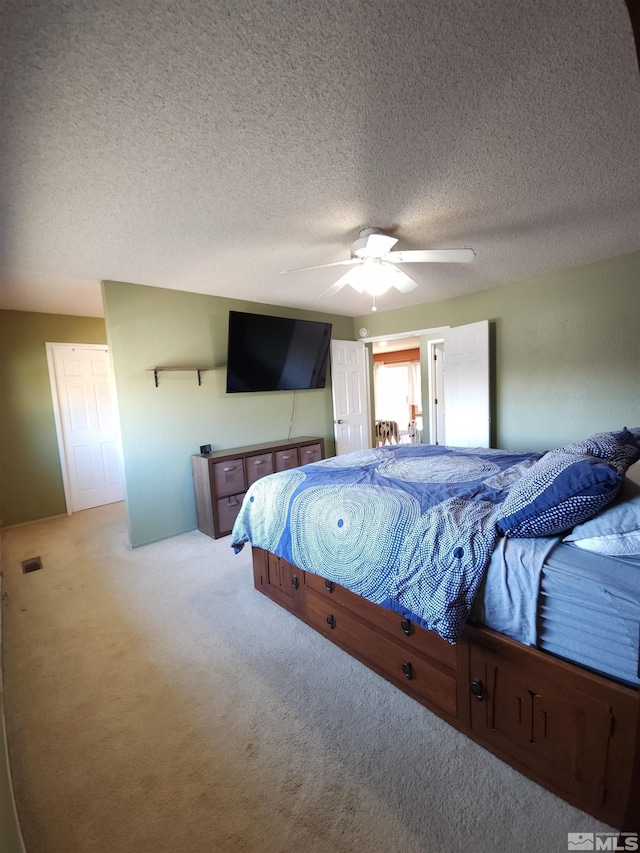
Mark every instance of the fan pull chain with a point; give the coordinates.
(373, 307)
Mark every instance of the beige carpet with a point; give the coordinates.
(156, 702)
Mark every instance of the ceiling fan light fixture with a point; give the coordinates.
(373, 264)
(373, 277)
(353, 278)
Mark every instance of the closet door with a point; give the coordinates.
(466, 385)
(87, 424)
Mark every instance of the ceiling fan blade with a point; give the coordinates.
(340, 283)
(402, 282)
(350, 262)
(373, 246)
(331, 291)
(433, 256)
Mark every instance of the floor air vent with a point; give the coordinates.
(31, 565)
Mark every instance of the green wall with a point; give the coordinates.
(567, 350)
(567, 364)
(30, 474)
(162, 427)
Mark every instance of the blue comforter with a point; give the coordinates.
(411, 527)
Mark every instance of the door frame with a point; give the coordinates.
(57, 417)
(397, 336)
(433, 417)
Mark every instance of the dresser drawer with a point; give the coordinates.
(310, 453)
(413, 636)
(258, 466)
(228, 477)
(228, 509)
(406, 668)
(286, 459)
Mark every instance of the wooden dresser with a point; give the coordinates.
(222, 477)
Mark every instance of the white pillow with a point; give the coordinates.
(633, 473)
(616, 530)
(614, 545)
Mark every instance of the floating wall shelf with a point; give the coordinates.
(198, 370)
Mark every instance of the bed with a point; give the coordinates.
(500, 589)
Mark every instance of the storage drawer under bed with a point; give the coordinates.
(394, 624)
(407, 668)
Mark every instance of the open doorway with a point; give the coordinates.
(397, 391)
(462, 417)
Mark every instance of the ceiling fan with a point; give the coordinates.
(373, 264)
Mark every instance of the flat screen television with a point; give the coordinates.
(276, 353)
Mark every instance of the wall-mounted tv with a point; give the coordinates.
(276, 353)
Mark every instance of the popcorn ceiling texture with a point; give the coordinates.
(207, 146)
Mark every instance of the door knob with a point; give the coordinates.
(339, 422)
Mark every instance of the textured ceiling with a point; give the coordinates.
(206, 145)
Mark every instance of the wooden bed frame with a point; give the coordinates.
(572, 731)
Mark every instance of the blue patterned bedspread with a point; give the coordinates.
(411, 527)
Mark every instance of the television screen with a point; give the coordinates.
(276, 353)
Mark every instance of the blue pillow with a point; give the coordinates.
(561, 490)
(620, 449)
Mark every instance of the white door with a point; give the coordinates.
(350, 390)
(88, 425)
(466, 385)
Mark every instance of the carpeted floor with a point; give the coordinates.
(156, 703)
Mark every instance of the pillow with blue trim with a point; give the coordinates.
(559, 491)
(620, 449)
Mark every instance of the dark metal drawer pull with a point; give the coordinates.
(331, 622)
(329, 585)
(406, 626)
(295, 583)
(477, 688)
(407, 668)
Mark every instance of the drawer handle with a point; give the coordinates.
(407, 668)
(295, 583)
(406, 627)
(287, 456)
(331, 622)
(232, 501)
(259, 462)
(329, 585)
(477, 688)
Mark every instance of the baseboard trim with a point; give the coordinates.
(34, 521)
